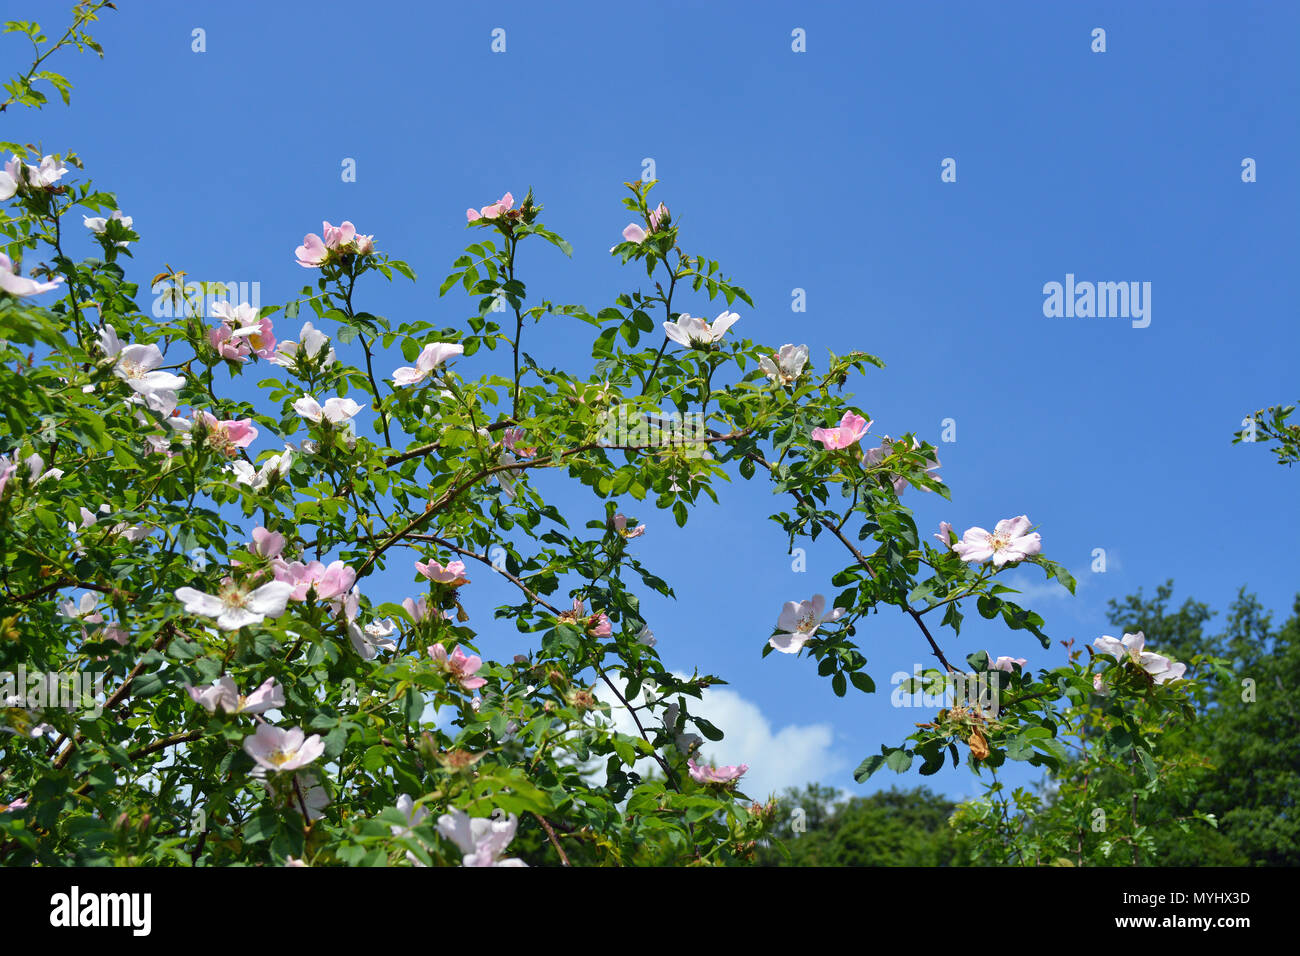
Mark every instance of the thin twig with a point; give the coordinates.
(550, 835)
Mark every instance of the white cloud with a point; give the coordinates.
(791, 756)
(1032, 591)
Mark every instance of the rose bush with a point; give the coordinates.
(213, 556)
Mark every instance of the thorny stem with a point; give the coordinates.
(370, 369)
(550, 835)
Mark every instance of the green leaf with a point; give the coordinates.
(707, 729)
(868, 767)
(933, 760)
(863, 682)
(262, 825)
(899, 761)
(1020, 749)
(1148, 764)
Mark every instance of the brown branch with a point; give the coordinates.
(166, 742)
(456, 491)
(154, 747)
(861, 559)
(64, 582)
(435, 445)
(536, 599)
(663, 764)
(550, 835)
(161, 641)
(532, 595)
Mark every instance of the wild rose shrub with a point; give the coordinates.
(257, 706)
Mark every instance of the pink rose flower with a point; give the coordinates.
(340, 240)
(452, 575)
(875, 456)
(482, 840)
(242, 330)
(460, 666)
(19, 286)
(337, 237)
(850, 430)
(223, 695)
(430, 357)
(260, 337)
(1132, 647)
(335, 410)
(419, 610)
(267, 544)
(512, 437)
(798, 623)
(492, 210)
(716, 775)
(1009, 542)
(692, 331)
(620, 525)
(312, 253)
(279, 750)
(658, 217)
(328, 582)
(228, 347)
(229, 434)
(235, 606)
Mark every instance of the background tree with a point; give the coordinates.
(892, 827)
(1248, 722)
(1227, 778)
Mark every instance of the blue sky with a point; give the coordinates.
(817, 170)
